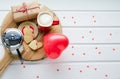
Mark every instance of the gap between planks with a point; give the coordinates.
(67, 62)
(82, 10)
(81, 44)
(100, 27)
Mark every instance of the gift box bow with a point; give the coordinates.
(26, 7)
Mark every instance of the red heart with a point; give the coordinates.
(54, 44)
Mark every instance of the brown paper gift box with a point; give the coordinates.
(25, 11)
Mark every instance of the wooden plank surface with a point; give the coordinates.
(93, 35)
(70, 4)
(84, 19)
(93, 28)
(64, 71)
(87, 53)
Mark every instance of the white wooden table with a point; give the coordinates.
(93, 28)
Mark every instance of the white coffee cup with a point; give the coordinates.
(45, 20)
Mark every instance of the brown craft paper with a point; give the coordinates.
(25, 11)
(27, 54)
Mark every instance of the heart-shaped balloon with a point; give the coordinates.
(54, 44)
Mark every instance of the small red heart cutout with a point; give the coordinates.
(54, 44)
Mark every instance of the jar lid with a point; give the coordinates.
(12, 38)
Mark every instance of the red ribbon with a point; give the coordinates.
(24, 9)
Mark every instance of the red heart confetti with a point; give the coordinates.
(73, 54)
(74, 22)
(57, 70)
(84, 53)
(95, 69)
(69, 68)
(64, 17)
(113, 49)
(72, 17)
(110, 34)
(106, 75)
(24, 66)
(96, 48)
(93, 39)
(81, 71)
(93, 16)
(94, 21)
(37, 77)
(90, 31)
(99, 53)
(83, 37)
(72, 46)
(88, 66)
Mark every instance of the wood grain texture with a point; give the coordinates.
(92, 27)
(93, 35)
(64, 70)
(70, 4)
(84, 19)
